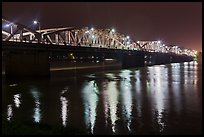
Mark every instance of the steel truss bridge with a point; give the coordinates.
(85, 37)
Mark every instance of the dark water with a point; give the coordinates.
(162, 99)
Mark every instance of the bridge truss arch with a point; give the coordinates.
(85, 37)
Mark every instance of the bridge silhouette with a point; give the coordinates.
(79, 45)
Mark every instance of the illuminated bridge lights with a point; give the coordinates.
(99, 38)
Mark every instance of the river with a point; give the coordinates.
(160, 99)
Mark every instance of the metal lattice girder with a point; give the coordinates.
(20, 31)
(102, 38)
(76, 36)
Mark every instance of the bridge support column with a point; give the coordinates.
(27, 64)
(133, 59)
(162, 58)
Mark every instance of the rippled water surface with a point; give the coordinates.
(161, 99)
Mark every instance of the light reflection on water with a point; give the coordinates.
(17, 100)
(111, 93)
(126, 94)
(64, 109)
(90, 97)
(9, 112)
(37, 112)
(157, 99)
(158, 84)
(139, 93)
(176, 83)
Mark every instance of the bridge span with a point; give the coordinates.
(37, 53)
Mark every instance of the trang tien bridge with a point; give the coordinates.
(27, 52)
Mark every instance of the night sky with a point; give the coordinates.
(178, 23)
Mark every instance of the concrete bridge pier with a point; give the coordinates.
(162, 58)
(27, 63)
(132, 59)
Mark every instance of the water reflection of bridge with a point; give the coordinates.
(122, 102)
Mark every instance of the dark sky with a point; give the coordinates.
(178, 23)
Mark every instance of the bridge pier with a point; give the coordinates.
(27, 63)
(162, 58)
(131, 59)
